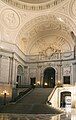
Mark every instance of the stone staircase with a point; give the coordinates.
(33, 103)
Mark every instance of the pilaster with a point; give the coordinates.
(74, 73)
(59, 72)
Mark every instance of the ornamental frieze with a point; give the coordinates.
(32, 6)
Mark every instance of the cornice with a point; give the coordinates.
(34, 7)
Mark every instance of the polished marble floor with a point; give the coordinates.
(70, 114)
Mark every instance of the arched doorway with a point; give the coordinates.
(49, 77)
(19, 75)
(64, 98)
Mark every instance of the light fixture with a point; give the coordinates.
(58, 81)
(59, 84)
(45, 83)
(5, 92)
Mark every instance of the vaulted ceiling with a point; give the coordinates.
(45, 35)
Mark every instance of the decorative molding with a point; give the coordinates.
(35, 7)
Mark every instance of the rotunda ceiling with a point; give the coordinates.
(45, 35)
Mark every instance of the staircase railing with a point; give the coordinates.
(52, 93)
(50, 96)
(21, 94)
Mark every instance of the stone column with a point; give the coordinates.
(4, 66)
(39, 74)
(10, 71)
(42, 75)
(14, 71)
(59, 72)
(0, 66)
(26, 75)
(74, 73)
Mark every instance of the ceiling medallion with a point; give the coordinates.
(33, 5)
(10, 18)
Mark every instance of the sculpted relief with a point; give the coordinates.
(10, 18)
(48, 46)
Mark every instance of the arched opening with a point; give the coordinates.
(19, 75)
(49, 77)
(65, 99)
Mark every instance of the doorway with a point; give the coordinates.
(33, 81)
(19, 80)
(49, 77)
(63, 97)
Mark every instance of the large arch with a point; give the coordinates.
(49, 77)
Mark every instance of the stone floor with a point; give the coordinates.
(70, 114)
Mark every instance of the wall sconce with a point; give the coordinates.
(45, 84)
(59, 84)
(5, 93)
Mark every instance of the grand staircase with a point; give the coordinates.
(32, 103)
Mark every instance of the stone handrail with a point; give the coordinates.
(50, 96)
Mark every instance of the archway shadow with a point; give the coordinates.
(49, 77)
